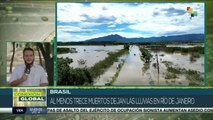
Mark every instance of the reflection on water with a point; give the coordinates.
(91, 54)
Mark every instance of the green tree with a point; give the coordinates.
(46, 52)
(146, 55)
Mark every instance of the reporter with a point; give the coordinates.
(28, 74)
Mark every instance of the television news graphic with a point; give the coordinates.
(60, 100)
(129, 101)
(6, 102)
(29, 101)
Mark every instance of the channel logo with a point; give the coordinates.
(29, 97)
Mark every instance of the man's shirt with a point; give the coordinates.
(36, 77)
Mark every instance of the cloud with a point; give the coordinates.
(83, 21)
(69, 28)
(173, 12)
(99, 19)
(74, 29)
(155, 14)
(112, 26)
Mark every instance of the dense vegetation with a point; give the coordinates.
(70, 76)
(199, 50)
(85, 76)
(209, 58)
(146, 55)
(63, 50)
(100, 67)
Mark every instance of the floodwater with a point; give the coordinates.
(90, 54)
(110, 73)
(183, 61)
(158, 77)
(132, 72)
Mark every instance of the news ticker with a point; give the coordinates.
(43, 110)
(59, 100)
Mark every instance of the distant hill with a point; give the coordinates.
(109, 38)
(177, 38)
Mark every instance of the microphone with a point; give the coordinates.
(27, 69)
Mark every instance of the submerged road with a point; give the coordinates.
(131, 72)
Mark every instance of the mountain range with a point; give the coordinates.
(176, 38)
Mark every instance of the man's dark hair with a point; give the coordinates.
(26, 49)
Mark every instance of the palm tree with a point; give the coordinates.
(46, 52)
(39, 54)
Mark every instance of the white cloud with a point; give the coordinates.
(69, 28)
(112, 26)
(135, 20)
(73, 29)
(66, 36)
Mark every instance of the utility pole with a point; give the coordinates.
(157, 63)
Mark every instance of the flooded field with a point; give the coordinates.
(181, 60)
(129, 69)
(89, 54)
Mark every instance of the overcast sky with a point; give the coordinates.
(83, 21)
